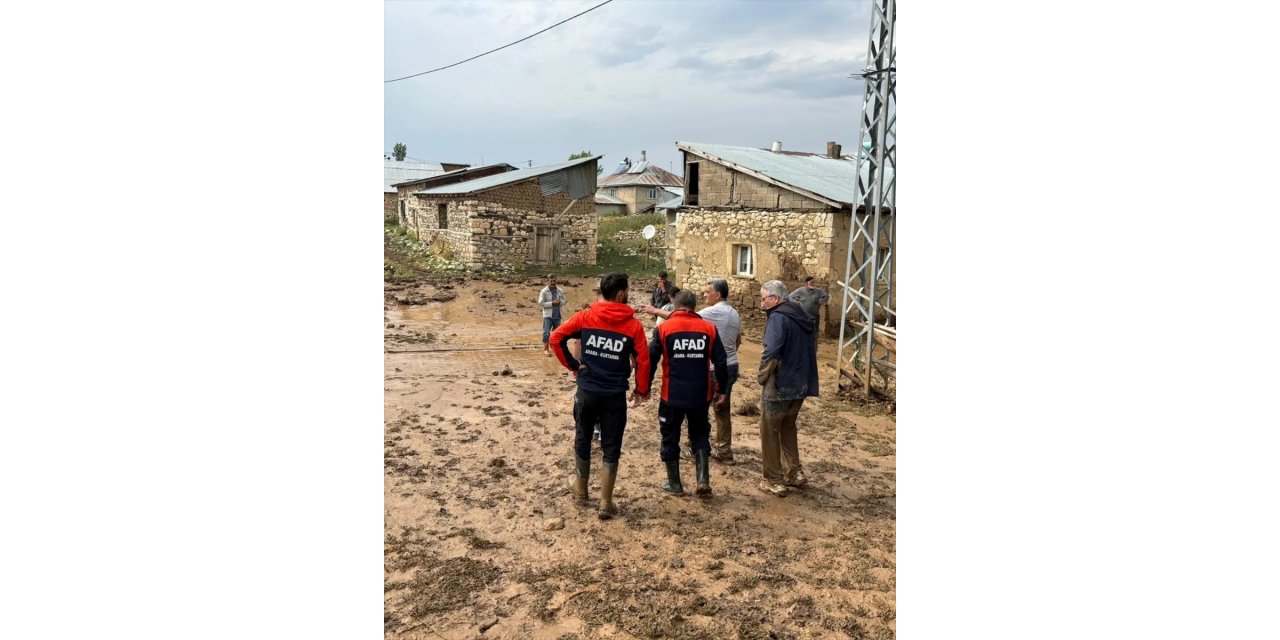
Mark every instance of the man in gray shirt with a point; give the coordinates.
(809, 297)
(729, 325)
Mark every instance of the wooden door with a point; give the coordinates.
(546, 245)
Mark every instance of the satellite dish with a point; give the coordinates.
(649, 232)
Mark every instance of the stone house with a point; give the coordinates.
(540, 215)
(639, 185)
(406, 202)
(396, 171)
(751, 215)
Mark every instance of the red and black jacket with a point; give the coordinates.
(690, 346)
(611, 339)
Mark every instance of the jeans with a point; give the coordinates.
(549, 325)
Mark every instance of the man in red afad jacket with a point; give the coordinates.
(690, 346)
(611, 340)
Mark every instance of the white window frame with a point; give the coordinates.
(735, 253)
(651, 194)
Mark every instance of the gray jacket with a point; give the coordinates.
(809, 299)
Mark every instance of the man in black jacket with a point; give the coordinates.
(662, 291)
(788, 375)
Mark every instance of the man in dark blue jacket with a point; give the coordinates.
(686, 346)
(788, 375)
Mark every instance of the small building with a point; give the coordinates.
(408, 206)
(752, 215)
(609, 206)
(540, 215)
(639, 185)
(397, 171)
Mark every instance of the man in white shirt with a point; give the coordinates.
(729, 325)
(551, 298)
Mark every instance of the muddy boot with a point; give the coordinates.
(704, 472)
(578, 485)
(607, 478)
(673, 485)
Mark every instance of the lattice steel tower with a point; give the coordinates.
(868, 323)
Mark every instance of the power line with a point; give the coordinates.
(503, 46)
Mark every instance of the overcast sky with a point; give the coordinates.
(631, 75)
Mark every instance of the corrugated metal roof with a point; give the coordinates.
(397, 171)
(647, 174)
(454, 173)
(826, 177)
(672, 203)
(510, 177)
(607, 199)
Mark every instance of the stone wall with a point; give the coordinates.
(496, 227)
(720, 186)
(786, 245)
(390, 207)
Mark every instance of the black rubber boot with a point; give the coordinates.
(703, 459)
(578, 485)
(607, 478)
(673, 485)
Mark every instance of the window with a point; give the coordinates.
(443, 214)
(651, 194)
(691, 183)
(613, 192)
(743, 265)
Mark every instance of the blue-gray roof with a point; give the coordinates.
(397, 171)
(510, 177)
(673, 203)
(829, 178)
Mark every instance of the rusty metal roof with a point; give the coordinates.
(828, 178)
(642, 173)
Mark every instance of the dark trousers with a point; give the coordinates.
(610, 412)
(669, 419)
(724, 423)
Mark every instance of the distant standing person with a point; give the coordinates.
(788, 375)
(662, 291)
(612, 341)
(809, 297)
(669, 307)
(551, 299)
(690, 345)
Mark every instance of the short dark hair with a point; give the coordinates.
(721, 286)
(684, 300)
(662, 274)
(808, 279)
(674, 291)
(612, 283)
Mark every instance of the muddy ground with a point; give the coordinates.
(484, 541)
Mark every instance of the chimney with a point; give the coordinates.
(833, 150)
(642, 155)
(777, 146)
